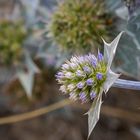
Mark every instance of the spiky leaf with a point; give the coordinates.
(94, 113)
(27, 80)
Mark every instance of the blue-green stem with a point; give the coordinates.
(127, 84)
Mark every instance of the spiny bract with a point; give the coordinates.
(78, 24)
(82, 77)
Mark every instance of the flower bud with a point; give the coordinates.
(83, 81)
(78, 24)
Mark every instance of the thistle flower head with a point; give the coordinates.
(12, 36)
(95, 77)
(85, 80)
(78, 24)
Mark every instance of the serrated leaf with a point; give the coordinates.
(94, 113)
(110, 50)
(109, 53)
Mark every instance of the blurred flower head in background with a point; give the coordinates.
(78, 24)
(12, 35)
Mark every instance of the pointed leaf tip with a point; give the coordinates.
(26, 80)
(94, 113)
(110, 49)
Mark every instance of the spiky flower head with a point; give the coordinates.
(12, 35)
(82, 77)
(78, 24)
(87, 77)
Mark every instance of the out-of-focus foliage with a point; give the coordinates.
(129, 21)
(130, 49)
(12, 36)
(29, 8)
(15, 37)
(27, 77)
(132, 5)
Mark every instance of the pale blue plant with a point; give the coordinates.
(85, 78)
(89, 77)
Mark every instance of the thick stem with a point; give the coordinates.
(127, 84)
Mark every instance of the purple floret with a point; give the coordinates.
(59, 75)
(99, 76)
(89, 82)
(82, 97)
(100, 57)
(80, 85)
(79, 73)
(92, 95)
(65, 66)
(94, 63)
(86, 69)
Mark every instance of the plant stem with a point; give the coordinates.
(127, 84)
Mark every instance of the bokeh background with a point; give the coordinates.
(30, 58)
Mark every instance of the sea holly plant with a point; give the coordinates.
(12, 36)
(85, 78)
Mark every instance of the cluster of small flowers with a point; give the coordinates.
(77, 24)
(82, 77)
